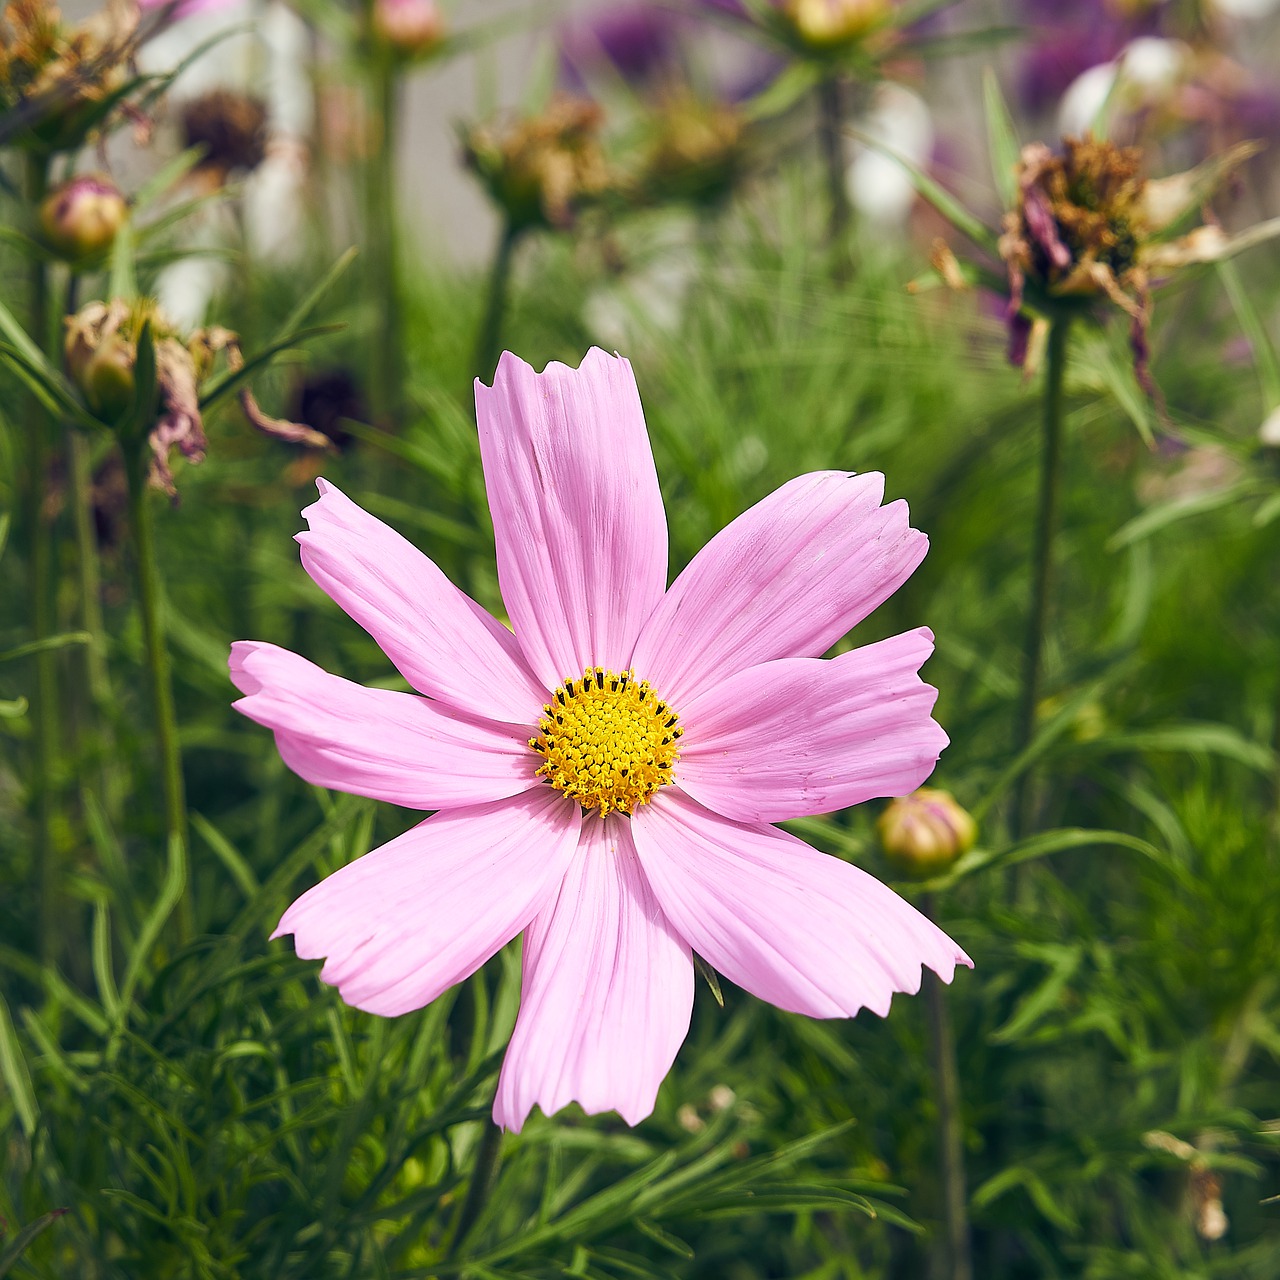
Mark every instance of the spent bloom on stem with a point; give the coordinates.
(540, 170)
(58, 78)
(100, 349)
(230, 129)
(607, 774)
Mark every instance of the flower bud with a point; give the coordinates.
(83, 215)
(925, 832)
(108, 382)
(100, 356)
(828, 24)
(409, 28)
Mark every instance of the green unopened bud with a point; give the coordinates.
(408, 28)
(83, 215)
(108, 382)
(828, 24)
(925, 832)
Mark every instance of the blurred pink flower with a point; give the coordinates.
(619, 825)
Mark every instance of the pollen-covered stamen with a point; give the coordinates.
(607, 741)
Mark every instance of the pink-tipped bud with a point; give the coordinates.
(83, 215)
(407, 27)
(924, 833)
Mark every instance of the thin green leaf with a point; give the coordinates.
(1192, 739)
(175, 879)
(1042, 845)
(226, 853)
(48, 387)
(941, 199)
(1032, 1007)
(218, 388)
(166, 177)
(710, 976)
(146, 388)
(46, 643)
(103, 970)
(1267, 512)
(317, 291)
(1194, 504)
(18, 1245)
(1265, 360)
(123, 281)
(14, 1073)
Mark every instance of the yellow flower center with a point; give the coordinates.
(607, 741)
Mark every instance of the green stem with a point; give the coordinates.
(831, 113)
(1042, 567)
(386, 366)
(483, 1178)
(142, 530)
(488, 342)
(42, 569)
(955, 1198)
(97, 676)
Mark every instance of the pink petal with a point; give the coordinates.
(785, 580)
(441, 641)
(376, 742)
(608, 991)
(793, 926)
(809, 735)
(407, 921)
(577, 514)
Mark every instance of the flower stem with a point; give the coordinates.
(1042, 566)
(89, 580)
(950, 1134)
(482, 1181)
(142, 531)
(488, 342)
(386, 368)
(831, 113)
(41, 576)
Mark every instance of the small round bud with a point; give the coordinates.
(828, 24)
(924, 833)
(407, 27)
(83, 215)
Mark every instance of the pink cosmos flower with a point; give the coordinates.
(605, 774)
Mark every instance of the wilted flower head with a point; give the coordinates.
(1087, 227)
(54, 75)
(924, 833)
(1079, 217)
(82, 215)
(541, 169)
(605, 776)
(407, 28)
(231, 129)
(696, 150)
(101, 353)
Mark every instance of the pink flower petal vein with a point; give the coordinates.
(602, 777)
